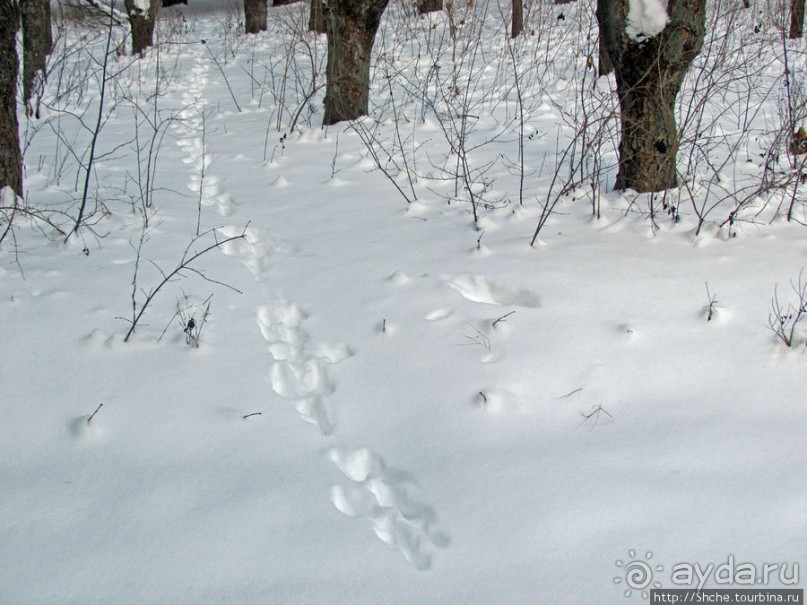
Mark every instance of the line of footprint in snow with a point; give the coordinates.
(192, 129)
(375, 491)
(299, 373)
(383, 495)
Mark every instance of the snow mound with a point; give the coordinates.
(646, 18)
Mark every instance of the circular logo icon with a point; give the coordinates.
(637, 574)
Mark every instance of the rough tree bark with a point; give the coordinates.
(518, 19)
(796, 19)
(142, 24)
(255, 16)
(649, 73)
(10, 158)
(351, 26)
(283, 2)
(429, 6)
(37, 40)
(604, 65)
(316, 19)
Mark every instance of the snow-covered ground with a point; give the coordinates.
(390, 403)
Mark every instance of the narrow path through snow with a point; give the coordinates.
(300, 365)
(193, 132)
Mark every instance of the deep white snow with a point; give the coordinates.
(390, 403)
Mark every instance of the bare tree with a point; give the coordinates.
(316, 19)
(255, 16)
(518, 18)
(142, 23)
(649, 69)
(796, 19)
(604, 65)
(37, 40)
(10, 158)
(351, 26)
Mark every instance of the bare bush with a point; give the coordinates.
(784, 318)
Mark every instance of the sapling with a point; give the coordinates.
(96, 132)
(223, 75)
(711, 308)
(189, 256)
(192, 325)
(479, 242)
(783, 320)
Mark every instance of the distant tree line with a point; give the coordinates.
(649, 71)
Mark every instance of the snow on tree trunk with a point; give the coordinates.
(142, 17)
(316, 19)
(255, 16)
(10, 158)
(37, 45)
(796, 19)
(651, 48)
(351, 26)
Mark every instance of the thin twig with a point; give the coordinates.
(91, 416)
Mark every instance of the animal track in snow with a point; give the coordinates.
(191, 128)
(383, 495)
(300, 369)
(255, 248)
(481, 289)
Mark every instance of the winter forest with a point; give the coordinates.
(402, 301)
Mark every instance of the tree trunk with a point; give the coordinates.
(142, 24)
(518, 18)
(649, 72)
(255, 16)
(604, 65)
(429, 6)
(10, 157)
(796, 19)
(351, 26)
(316, 19)
(283, 2)
(37, 45)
